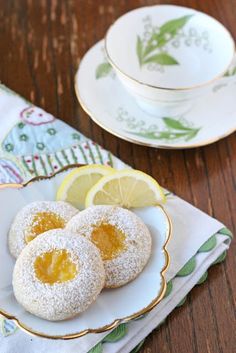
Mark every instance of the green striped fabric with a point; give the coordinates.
(47, 164)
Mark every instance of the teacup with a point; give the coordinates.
(168, 56)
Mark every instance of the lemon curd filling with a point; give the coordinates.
(109, 240)
(55, 267)
(43, 221)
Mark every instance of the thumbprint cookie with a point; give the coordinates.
(123, 239)
(58, 275)
(36, 218)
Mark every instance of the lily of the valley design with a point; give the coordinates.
(231, 71)
(171, 129)
(152, 47)
(103, 70)
(174, 130)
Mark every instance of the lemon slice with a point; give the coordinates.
(126, 188)
(77, 183)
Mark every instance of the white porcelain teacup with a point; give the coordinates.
(167, 56)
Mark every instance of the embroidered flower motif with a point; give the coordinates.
(9, 147)
(23, 137)
(20, 125)
(36, 116)
(51, 131)
(40, 146)
(75, 136)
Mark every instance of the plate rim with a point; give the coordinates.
(130, 139)
(118, 321)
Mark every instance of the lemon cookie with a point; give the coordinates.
(58, 275)
(36, 218)
(123, 239)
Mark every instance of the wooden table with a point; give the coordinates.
(41, 44)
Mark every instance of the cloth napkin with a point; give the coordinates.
(33, 142)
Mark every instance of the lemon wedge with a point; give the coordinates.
(126, 188)
(79, 181)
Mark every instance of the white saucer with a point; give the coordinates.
(106, 101)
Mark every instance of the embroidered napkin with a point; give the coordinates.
(33, 143)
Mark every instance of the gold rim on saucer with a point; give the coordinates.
(116, 322)
(137, 142)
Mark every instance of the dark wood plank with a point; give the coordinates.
(41, 45)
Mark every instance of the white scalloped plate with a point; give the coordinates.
(112, 306)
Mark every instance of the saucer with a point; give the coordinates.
(166, 56)
(106, 101)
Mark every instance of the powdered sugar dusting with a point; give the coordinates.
(130, 262)
(60, 300)
(24, 219)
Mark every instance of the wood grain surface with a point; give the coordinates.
(41, 44)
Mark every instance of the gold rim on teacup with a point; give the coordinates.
(185, 88)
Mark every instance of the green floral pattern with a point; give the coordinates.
(231, 71)
(51, 131)
(154, 46)
(103, 69)
(20, 125)
(171, 129)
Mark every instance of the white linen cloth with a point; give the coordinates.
(191, 229)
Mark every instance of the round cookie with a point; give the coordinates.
(58, 275)
(37, 218)
(123, 239)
